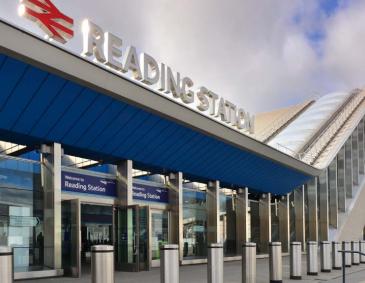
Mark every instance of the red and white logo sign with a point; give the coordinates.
(54, 23)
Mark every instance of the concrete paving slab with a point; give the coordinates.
(232, 274)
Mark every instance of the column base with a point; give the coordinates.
(337, 268)
(355, 263)
(276, 281)
(312, 273)
(349, 265)
(326, 270)
(296, 277)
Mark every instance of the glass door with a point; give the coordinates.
(159, 233)
(71, 260)
(96, 229)
(131, 240)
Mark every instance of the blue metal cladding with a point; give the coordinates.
(40, 107)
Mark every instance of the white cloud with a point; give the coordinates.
(255, 53)
(344, 47)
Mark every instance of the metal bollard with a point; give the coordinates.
(102, 264)
(326, 265)
(312, 258)
(276, 265)
(336, 256)
(296, 260)
(6, 265)
(169, 264)
(215, 263)
(346, 246)
(355, 256)
(249, 263)
(362, 250)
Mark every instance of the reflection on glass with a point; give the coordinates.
(228, 221)
(21, 212)
(160, 226)
(96, 228)
(254, 223)
(195, 223)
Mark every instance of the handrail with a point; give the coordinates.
(343, 261)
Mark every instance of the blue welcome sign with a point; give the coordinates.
(86, 184)
(147, 193)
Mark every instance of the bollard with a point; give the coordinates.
(312, 258)
(6, 265)
(215, 263)
(362, 250)
(169, 264)
(296, 260)
(355, 256)
(346, 246)
(276, 265)
(326, 265)
(102, 264)
(336, 256)
(249, 263)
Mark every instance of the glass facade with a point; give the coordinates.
(21, 212)
(228, 202)
(275, 230)
(96, 228)
(254, 235)
(195, 223)
(160, 231)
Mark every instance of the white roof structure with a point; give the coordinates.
(303, 129)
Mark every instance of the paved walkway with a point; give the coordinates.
(232, 274)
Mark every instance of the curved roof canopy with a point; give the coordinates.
(297, 135)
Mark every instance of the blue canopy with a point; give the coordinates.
(40, 107)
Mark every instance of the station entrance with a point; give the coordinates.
(85, 225)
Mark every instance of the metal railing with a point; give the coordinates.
(344, 261)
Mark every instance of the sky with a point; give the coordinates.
(260, 55)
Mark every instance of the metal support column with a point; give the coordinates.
(215, 263)
(333, 195)
(312, 258)
(6, 265)
(249, 263)
(214, 233)
(336, 256)
(299, 211)
(296, 260)
(284, 223)
(265, 222)
(169, 271)
(125, 182)
(275, 263)
(51, 182)
(176, 211)
(348, 168)
(241, 218)
(355, 247)
(312, 193)
(355, 157)
(361, 147)
(326, 260)
(102, 264)
(323, 206)
(346, 246)
(341, 189)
